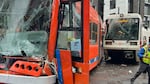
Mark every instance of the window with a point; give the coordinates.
(130, 6)
(146, 21)
(144, 38)
(112, 4)
(93, 33)
(146, 10)
(24, 26)
(123, 29)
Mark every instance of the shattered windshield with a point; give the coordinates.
(24, 26)
(122, 29)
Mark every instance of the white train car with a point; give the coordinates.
(124, 36)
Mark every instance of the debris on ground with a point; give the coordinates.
(123, 65)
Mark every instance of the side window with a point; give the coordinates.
(93, 33)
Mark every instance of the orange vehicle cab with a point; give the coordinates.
(77, 41)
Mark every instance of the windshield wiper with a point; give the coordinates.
(113, 40)
(128, 40)
(23, 53)
(109, 37)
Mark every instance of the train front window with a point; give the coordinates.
(123, 29)
(24, 26)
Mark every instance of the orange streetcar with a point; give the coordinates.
(44, 39)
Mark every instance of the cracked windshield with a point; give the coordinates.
(122, 29)
(24, 27)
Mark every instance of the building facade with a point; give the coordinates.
(115, 7)
(127, 6)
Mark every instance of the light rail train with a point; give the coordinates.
(124, 36)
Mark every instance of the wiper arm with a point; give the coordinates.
(113, 40)
(110, 37)
(128, 38)
(23, 53)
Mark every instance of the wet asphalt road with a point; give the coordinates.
(109, 73)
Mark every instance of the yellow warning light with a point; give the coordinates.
(122, 20)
